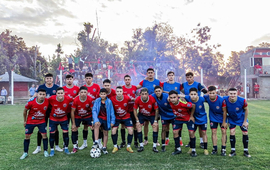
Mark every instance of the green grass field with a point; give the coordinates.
(12, 135)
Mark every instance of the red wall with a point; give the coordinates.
(20, 89)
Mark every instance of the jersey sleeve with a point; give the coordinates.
(161, 84)
(245, 103)
(28, 105)
(200, 86)
(141, 83)
(224, 103)
(155, 105)
(181, 86)
(187, 105)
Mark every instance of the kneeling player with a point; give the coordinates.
(238, 116)
(35, 118)
(148, 111)
(81, 110)
(183, 115)
(58, 116)
(120, 104)
(103, 116)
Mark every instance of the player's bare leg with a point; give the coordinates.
(96, 132)
(223, 141)
(146, 130)
(201, 138)
(114, 139)
(105, 141)
(129, 141)
(123, 136)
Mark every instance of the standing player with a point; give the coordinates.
(130, 90)
(165, 111)
(148, 111)
(103, 116)
(120, 104)
(81, 110)
(50, 88)
(167, 87)
(58, 116)
(199, 115)
(216, 113)
(107, 86)
(237, 116)
(150, 82)
(183, 115)
(93, 91)
(34, 115)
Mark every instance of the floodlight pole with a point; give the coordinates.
(245, 83)
(109, 72)
(12, 87)
(61, 72)
(156, 73)
(202, 76)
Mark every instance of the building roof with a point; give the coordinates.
(17, 78)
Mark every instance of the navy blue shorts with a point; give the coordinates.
(29, 128)
(143, 118)
(203, 127)
(178, 125)
(214, 125)
(166, 122)
(126, 122)
(132, 118)
(53, 125)
(88, 121)
(244, 129)
(103, 124)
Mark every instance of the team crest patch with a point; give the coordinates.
(74, 91)
(125, 104)
(174, 126)
(45, 107)
(94, 90)
(237, 109)
(65, 105)
(87, 105)
(175, 88)
(211, 124)
(189, 105)
(165, 104)
(133, 91)
(162, 121)
(200, 106)
(50, 128)
(217, 107)
(26, 130)
(154, 85)
(149, 106)
(54, 91)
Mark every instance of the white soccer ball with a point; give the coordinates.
(95, 152)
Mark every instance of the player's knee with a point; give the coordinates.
(245, 132)
(105, 132)
(223, 131)
(214, 131)
(27, 136)
(232, 132)
(175, 133)
(44, 136)
(192, 134)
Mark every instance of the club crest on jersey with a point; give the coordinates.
(133, 91)
(154, 85)
(165, 104)
(175, 88)
(54, 91)
(217, 107)
(87, 105)
(125, 104)
(236, 108)
(94, 90)
(189, 105)
(149, 106)
(45, 107)
(200, 106)
(74, 91)
(65, 105)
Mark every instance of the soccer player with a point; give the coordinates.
(50, 88)
(103, 116)
(107, 86)
(199, 115)
(165, 111)
(130, 90)
(148, 111)
(34, 116)
(93, 92)
(183, 115)
(167, 87)
(81, 110)
(120, 104)
(150, 82)
(216, 112)
(237, 116)
(58, 116)
(190, 83)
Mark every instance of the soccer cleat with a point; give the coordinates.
(74, 150)
(83, 146)
(214, 152)
(123, 144)
(189, 151)
(158, 144)
(176, 152)
(205, 151)
(167, 142)
(136, 144)
(223, 152)
(24, 155)
(202, 145)
(52, 153)
(129, 149)
(115, 149)
(46, 154)
(66, 151)
(140, 149)
(57, 148)
(37, 151)
(193, 154)
(100, 145)
(246, 154)
(163, 149)
(104, 150)
(145, 142)
(155, 150)
(233, 153)
(181, 143)
(95, 146)
(187, 146)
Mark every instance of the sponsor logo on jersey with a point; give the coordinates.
(217, 107)
(65, 105)
(236, 108)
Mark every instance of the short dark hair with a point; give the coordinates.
(103, 90)
(189, 74)
(69, 76)
(144, 90)
(173, 92)
(48, 75)
(60, 88)
(41, 90)
(127, 76)
(212, 88)
(88, 75)
(119, 87)
(83, 88)
(193, 89)
(107, 81)
(157, 87)
(232, 89)
(170, 73)
(150, 69)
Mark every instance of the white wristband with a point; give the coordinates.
(155, 121)
(137, 121)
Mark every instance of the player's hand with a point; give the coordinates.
(224, 125)
(73, 127)
(245, 124)
(24, 124)
(112, 125)
(155, 124)
(192, 119)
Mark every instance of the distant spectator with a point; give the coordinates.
(257, 69)
(70, 62)
(77, 71)
(4, 93)
(238, 87)
(76, 60)
(90, 69)
(222, 92)
(248, 90)
(75, 82)
(32, 90)
(256, 90)
(37, 87)
(265, 72)
(81, 63)
(99, 64)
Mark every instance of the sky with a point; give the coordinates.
(235, 24)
